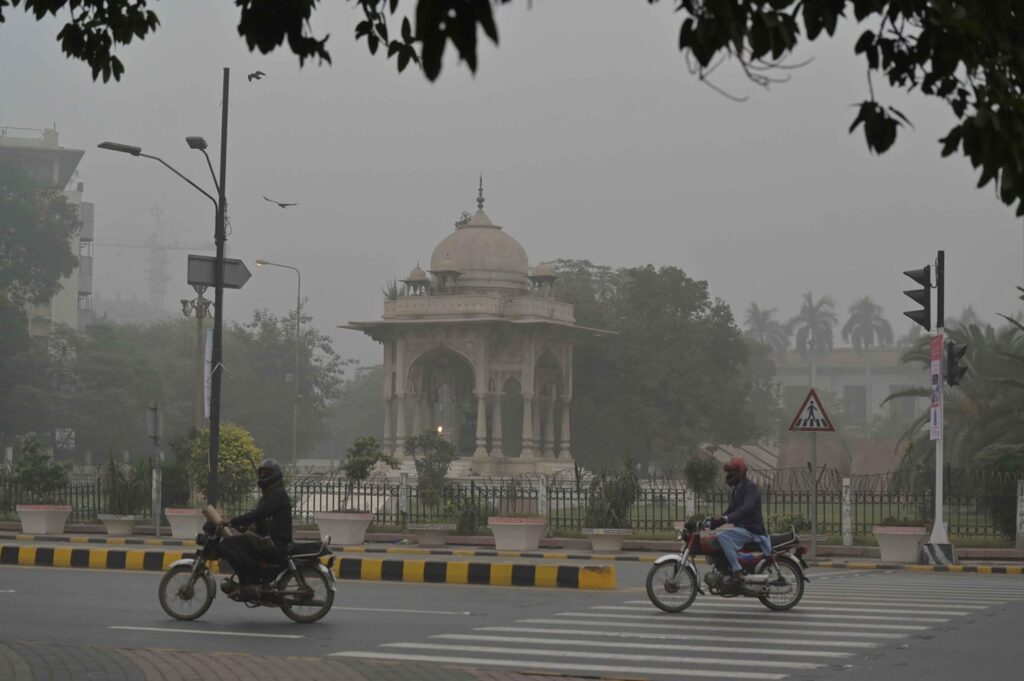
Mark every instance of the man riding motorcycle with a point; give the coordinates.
(271, 520)
(744, 514)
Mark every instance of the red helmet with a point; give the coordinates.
(735, 470)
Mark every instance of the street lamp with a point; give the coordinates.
(219, 235)
(295, 374)
(199, 306)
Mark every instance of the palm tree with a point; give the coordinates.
(813, 326)
(762, 326)
(865, 326)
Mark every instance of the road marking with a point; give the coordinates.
(414, 612)
(916, 603)
(7, 591)
(646, 646)
(791, 622)
(606, 656)
(563, 666)
(207, 632)
(753, 617)
(756, 607)
(654, 635)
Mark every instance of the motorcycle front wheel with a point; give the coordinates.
(181, 601)
(787, 571)
(303, 605)
(670, 591)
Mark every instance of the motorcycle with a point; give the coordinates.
(301, 585)
(777, 580)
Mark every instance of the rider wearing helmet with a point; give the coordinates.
(271, 520)
(744, 514)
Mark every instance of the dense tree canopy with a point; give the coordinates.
(968, 53)
(673, 375)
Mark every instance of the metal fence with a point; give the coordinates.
(976, 505)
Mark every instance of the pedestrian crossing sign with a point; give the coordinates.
(812, 416)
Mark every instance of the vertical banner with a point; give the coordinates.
(936, 407)
(208, 361)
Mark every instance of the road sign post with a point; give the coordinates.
(812, 418)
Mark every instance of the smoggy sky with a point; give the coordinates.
(593, 138)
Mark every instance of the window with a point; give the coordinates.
(855, 399)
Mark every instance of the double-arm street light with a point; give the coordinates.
(295, 374)
(219, 235)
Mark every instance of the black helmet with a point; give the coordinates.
(268, 473)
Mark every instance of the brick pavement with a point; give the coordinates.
(41, 661)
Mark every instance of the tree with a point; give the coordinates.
(813, 326)
(236, 466)
(36, 227)
(864, 328)
(356, 411)
(762, 326)
(967, 53)
(867, 326)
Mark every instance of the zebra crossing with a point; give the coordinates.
(839, 621)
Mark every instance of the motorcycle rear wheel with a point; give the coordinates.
(307, 610)
(173, 594)
(793, 575)
(668, 595)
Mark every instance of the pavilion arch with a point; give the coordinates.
(549, 380)
(441, 383)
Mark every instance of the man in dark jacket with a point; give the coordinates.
(271, 520)
(744, 514)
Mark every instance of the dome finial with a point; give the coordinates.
(480, 195)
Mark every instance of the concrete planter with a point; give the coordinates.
(517, 534)
(43, 518)
(606, 538)
(899, 544)
(186, 523)
(344, 528)
(119, 525)
(431, 534)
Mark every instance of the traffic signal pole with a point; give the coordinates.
(939, 541)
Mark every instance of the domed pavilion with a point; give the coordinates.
(478, 348)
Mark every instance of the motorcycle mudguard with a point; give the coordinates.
(797, 562)
(673, 558)
(319, 566)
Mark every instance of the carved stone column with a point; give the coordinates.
(400, 425)
(481, 426)
(496, 427)
(387, 442)
(538, 428)
(417, 414)
(565, 451)
(549, 426)
(527, 452)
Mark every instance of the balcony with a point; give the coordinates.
(87, 213)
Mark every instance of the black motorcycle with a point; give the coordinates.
(301, 584)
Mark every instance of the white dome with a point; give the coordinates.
(486, 256)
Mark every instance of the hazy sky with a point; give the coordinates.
(593, 138)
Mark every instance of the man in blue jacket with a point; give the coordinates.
(744, 514)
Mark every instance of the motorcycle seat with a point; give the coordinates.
(784, 539)
(306, 548)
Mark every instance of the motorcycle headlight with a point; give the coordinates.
(679, 535)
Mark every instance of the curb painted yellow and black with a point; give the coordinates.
(118, 541)
(371, 569)
(978, 569)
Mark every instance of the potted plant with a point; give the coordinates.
(346, 524)
(610, 501)
(40, 482)
(518, 525)
(128, 493)
(432, 455)
(900, 539)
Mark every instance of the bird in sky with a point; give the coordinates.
(256, 75)
(283, 205)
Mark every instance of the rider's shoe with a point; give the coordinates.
(228, 585)
(731, 582)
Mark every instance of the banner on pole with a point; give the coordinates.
(936, 405)
(207, 370)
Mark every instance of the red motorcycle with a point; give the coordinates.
(777, 580)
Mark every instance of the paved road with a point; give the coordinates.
(851, 625)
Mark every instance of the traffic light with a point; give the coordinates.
(922, 296)
(955, 370)
(1021, 289)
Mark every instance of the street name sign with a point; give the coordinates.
(202, 271)
(812, 416)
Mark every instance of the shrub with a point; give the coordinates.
(433, 456)
(39, 478)
(238, 458)
(701, 474)
(363, 456)
(612, 497)
(782, 523)
(128, 487)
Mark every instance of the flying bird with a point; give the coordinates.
(283, 205)
(256, 75)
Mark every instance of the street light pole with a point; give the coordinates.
(220, 234)
(201, 307)
(295, 373)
